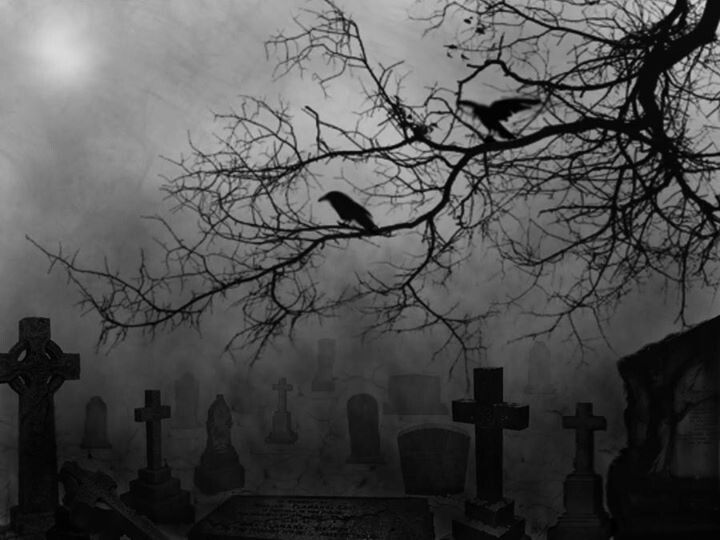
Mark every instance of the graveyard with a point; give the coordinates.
(192, 346)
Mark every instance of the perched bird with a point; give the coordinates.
(490, 115)
(349, 210)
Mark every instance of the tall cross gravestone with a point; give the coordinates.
(584, 517)
(493, 515)
(156, 493)
(35, 368)
(282, 432)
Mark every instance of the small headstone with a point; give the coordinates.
(323, 381)
(282, 432)
(433, 459)
(540, 370)
(156, 493)
(95, 436)
(317, 518)
(35, 368)
(187, 398)
(363, 419)
(414, 394)
(92, 509)
(584, 517)
(491, 516)
(219, 468)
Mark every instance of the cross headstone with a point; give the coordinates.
(219, 468)
(282, 432)
(152, 414)
(490, 415)
(362, 413)
(95, 436)
(323, 381)
(35, 368)
(585, 516)
(156, 493)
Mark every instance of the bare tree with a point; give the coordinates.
(612, 175)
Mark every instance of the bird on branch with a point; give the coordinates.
(349, 210)
(502, 109)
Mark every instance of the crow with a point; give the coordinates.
(349, 210)
(490, 115)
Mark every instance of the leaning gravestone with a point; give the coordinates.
(317, 518)
(414, 394)
(35, 368)
(95, 436)
(156, 493)
(187, 398)
(323, 380)
(219, 468)
(362, 414)
(490, 515)
(664, 484)
(433, 459)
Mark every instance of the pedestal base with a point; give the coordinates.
(585, 517)
(157, 495)
(216, 474)
(579, 527)
(477, 530)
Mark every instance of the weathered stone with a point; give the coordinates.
(95, 435)
(362, 414)
(282, 431)
(219, 468)
(36, 368)
(317, 518)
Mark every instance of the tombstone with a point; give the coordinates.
(317, 518)
(92, 509)
(433, 459)
(414, 394)
(665, 483)
(95, 436)
(187, 397)
(282, 432)
(219, 468)
(323, 380)
(490, 515)
(363, 420)
(585, 517)
(35, 368)
(540, 370)
(156, 493)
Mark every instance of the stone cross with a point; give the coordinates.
(283, 388)
(36, 368)
(490, 415)
(584, 424)
(152, 414)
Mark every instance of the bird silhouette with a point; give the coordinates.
(490, 115)
(349, 210)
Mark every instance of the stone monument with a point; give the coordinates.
(362, 414)
(585, 517)
(219, 468)
(282, 432)
(95, 435)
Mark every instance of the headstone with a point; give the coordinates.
(187, 397)
(491, 516)
(363, 418)
(540, 370)
(92, 509)
(585, 517)
(219, 468)
(156, 493)
(665, 483)
(323, 381)
(35, 368)
(282, 432)
(433, 459)
(95, 436)
(414, 394)
(316, 518)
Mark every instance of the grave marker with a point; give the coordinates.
(362, 414)
(282, 432)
